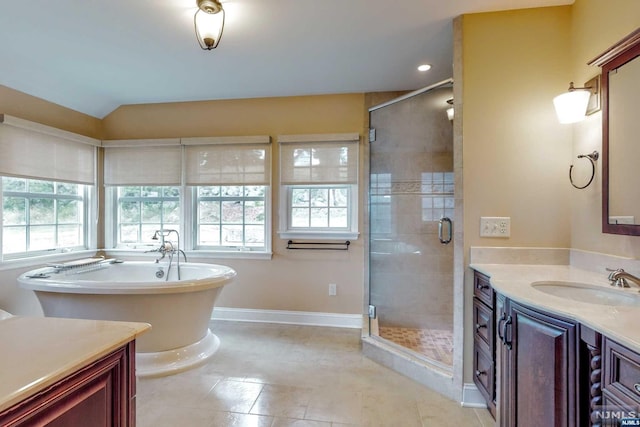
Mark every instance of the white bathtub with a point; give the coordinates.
(179, 311)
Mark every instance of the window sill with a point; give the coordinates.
(191, 255)
(319, 235)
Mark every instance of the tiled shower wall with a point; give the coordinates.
(411, 188)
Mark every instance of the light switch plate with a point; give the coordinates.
(495, 226)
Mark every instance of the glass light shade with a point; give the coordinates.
(571, 107)
(209, 28)
(450, 113)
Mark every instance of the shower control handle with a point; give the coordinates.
(441, 223)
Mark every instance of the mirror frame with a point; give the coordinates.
(617, 55)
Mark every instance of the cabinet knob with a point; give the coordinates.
(481, 286)
(479, 373)
(636, 386)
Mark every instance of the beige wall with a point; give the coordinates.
(19, 104)
(516, 156)
(596, 25)
(292, 280)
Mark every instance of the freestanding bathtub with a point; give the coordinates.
(179, 311)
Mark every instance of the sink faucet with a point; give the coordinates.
(620, 278)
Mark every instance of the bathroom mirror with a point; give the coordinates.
(621, 136)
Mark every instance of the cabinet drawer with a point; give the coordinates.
(621, 372)
(482, 289)
(483, 324)
(483, 372)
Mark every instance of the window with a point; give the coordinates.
(39, 216)
(319, 186)
(231, 217)
(47, 188)
(320, 208)
(230, 178)
(143, 209)
(215, 191)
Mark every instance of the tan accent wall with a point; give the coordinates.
(596, 26)
(19, 104)
(292, 280)
(516, 156)
(515, 153)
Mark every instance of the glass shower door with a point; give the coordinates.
(411, 204)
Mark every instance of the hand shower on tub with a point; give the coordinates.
(166, 247)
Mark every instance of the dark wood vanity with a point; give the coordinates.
(548, 370)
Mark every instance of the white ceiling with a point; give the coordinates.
(93, 56)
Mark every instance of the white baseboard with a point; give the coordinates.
(471, 397)
(336, 320)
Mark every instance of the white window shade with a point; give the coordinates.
(228, 161)
(319, 159)
(142, 162)
(32, 150)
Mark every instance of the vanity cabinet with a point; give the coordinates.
(538, 372)
(620, 380)
(100, 394)
(484, 347)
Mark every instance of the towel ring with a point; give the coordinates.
(592, 158)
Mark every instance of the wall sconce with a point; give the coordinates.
(573, 105)
(450, 110)
(209, 23)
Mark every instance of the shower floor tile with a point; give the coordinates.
(436, 344)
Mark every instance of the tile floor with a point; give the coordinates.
(436, 344)
(283, 375)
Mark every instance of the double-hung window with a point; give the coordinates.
(319, 186)
(229, 180)
(47, 186)
(214, 191)
(143, 180)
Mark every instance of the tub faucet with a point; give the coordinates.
(166, 247)
(621, 278)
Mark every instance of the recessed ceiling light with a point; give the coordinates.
(424, 67)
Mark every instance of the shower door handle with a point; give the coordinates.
(444, 220)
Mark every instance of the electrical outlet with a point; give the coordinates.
(333, 289)
(494, 226)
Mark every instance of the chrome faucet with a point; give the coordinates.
(620, 278)
(167, 248)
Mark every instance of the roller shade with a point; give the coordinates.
(319, 159)
(142, 162)
(228, 161)
(32, 150)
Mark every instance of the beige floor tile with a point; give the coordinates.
(268, 375)
(486, 420)
(287, 422)
(232, 396)
(232, 419)
(333, 404)
(282, 401)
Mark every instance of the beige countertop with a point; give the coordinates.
(35, 352)
(620, 323)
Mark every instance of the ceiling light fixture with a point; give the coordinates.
(209, 23)
(424, 67)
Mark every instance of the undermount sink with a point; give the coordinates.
(584, 292)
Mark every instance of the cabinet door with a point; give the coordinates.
(540, 377)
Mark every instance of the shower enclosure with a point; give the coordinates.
(411, 207)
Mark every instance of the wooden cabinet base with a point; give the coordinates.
(100, 394)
